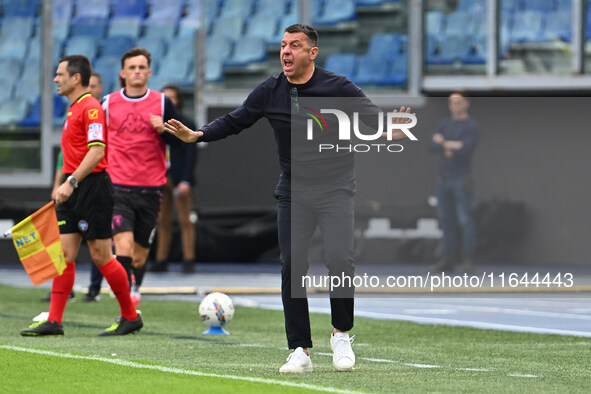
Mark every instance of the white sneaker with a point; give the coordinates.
(297, 361)
(343, 357)
(136, 296)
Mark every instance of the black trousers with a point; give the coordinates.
(299, 214)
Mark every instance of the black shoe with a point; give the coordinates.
(47, 298)
(93, 295)
(42, 328)
(159, 267)
(123, 327)
(188, 267)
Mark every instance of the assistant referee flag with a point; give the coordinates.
(37, 242)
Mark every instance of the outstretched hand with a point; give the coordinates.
(400, 119)
(398, 134)
(181, 131)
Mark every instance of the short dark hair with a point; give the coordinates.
(307, 30)
(95, 74)
(133, 52)
(177, 91)
(78, 64)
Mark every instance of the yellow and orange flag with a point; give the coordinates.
(37, 242)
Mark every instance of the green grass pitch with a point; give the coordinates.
(171, 355)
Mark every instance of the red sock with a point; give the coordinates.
(115, 274)
(60, 292)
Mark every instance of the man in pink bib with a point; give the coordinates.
(137, 155)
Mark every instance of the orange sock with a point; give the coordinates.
(115, 274)
(60, 292)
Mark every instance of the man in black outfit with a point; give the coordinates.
(306, 200)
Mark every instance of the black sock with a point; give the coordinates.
(126, 263)
(139, 274)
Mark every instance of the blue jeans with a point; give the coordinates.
(454, 208)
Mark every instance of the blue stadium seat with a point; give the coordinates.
(480, 25)
(108, 67)
(285, 21)
(451, 50)
(32, 69)
(218, 48)
(337, 11)
(214, 70)
(27, 88)
(165, 11)
(368, 3)
(34, 52)
(564, 5)
(61, 29)
(459, 23)
(250, 50)
(14, 48)
(387, 45)
(343, 64)
(263, 26)
(28, 8)
(81, 45)
(371, 70)
(397, 74)
(33, 119)
(511, 5)
(538, 5)
(471, 6)
(527, 27)
(212, 8)
(10, 67)
(241, 8)
(431, 49)
(165, 31)
(125, 26)
(184, 46)
(137, 8)
(228, 26)
(558, 26)
(174, 69)
(92, 8)
(435, 22)
(316, 9)
(156, 45)
(272, 7)
(7, 83)
(18, 26)
(63, 10)
(12, 111)
(117, 45)
(188, 26)
(95, 27)
(478, 51)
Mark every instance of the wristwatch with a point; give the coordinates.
(73, 181)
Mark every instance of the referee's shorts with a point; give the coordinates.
(89, 209)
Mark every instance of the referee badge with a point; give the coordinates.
(83, 225)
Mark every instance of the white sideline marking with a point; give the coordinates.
(178, 370)
(519, 375)
(385, 360)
